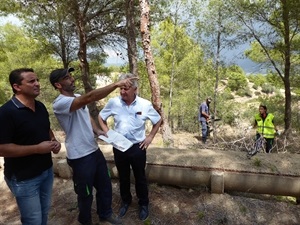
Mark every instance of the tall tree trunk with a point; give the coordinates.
(217, 74)
(84, 65)
(146, 41)
(287, 68)
(172, 75)
(131, 37)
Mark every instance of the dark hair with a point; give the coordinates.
(263, 106)
(16, 78)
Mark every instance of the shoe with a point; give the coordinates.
(144, 212)
(112, 219)
(123, 210)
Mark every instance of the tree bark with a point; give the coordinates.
(287, 68)
(217, 65)
(151, 70)
(84, 65)
(131, 37)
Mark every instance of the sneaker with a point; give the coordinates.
(112, 219)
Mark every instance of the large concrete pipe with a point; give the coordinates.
(217, 171)
(263, 183)
(221, 180)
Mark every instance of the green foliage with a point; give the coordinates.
(249, 112)
(244, 92)
(3, 97)
(257, 162)
(200, 215)
(257, 93)
(20, 50)
(236, 81)
(182, 74)
(226, 110)
(257, 79)
(274, 80)
(267, 88)
(255, 53)
(226, 94)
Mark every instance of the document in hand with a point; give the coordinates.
(117, 140)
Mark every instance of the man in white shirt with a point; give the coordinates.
(130, 113)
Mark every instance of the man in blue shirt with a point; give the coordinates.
(130, 112)
(204, 115)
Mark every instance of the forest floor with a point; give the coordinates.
(172, 205)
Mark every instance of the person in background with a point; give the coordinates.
(264, 122)
(130, 112)
(204, 116)
(83, 154)
(26, 143)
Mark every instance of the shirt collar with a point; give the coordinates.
(132, 103)
(17, 103)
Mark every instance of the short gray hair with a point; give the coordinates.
(124, 76)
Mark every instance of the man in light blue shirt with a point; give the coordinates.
(130, 113)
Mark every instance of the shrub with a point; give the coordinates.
(257, 93)
(267, 88)
(244, 92)
(237, 81)
(255, 86)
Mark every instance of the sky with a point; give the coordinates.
(236, 56)
(9, 19)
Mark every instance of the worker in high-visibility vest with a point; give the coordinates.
(264, 122)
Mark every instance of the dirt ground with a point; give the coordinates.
(170, 205)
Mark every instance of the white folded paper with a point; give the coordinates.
(117, 140)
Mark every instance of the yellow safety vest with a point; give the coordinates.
(265, 127)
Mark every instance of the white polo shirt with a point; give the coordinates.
(77, 126)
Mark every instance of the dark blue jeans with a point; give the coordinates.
(204, 128)
(33, 197)
(88, 172)
(136, 158)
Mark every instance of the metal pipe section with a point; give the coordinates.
(220, 180)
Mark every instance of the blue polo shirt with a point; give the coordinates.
(22, 126)
(130, 120)
(203, 108)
